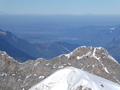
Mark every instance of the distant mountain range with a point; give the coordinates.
(39, 48)
(22, 50)
(13, 51)
(86, 35)
(103, 37)
(94, 35)
(22, 76)
(8, 43)
(114, 48)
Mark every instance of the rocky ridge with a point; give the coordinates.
(22, 76)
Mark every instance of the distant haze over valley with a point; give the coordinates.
(59, 44)
(50, 28)
(72, 30)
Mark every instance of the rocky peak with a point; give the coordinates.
(97, 53)
(21, 76)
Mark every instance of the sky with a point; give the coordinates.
(60, 7)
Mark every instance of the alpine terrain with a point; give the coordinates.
(71, 78)
(95, 60)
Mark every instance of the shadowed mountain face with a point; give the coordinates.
(103, 37)
(5, 45)
(114, 48)
(20, 44)
(22, 50)
(94, 35)
(22, 76)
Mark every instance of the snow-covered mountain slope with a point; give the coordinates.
(71, 78)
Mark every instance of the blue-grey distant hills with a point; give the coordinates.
(22, 50)
(7, 43)
(114, 48)
(103, 36)
(100, 36)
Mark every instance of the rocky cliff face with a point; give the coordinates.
(21, 76)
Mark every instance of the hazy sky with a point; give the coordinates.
(74, 7)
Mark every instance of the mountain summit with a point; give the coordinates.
(71, 78)
(22, 76)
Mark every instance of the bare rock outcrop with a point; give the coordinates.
(21, 76)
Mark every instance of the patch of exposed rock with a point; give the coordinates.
(21, 76)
